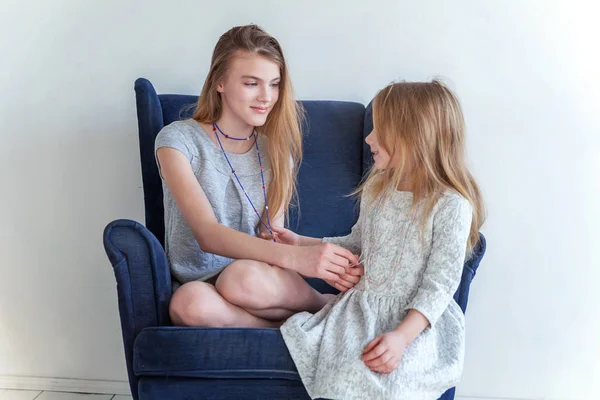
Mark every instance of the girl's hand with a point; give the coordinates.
(350, 277)
(286, 236)
(325, 261)
(281, 235)
(384, 353)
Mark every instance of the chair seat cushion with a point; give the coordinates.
(213, 353)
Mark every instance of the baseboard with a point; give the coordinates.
(64, 385)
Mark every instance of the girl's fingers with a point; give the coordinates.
(331, 277)
(353, 280)
(372, 344)
(340, 287)
(347, 254)
(384, 369)
(358, 270)
(345, 282)
(382, 360)
(339, 260)
(336, 269)
(376, 352)
(336, 285)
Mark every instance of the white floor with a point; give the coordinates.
(6, 394)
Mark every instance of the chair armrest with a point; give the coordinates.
(143, 282)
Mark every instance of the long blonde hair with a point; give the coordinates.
(283, 125)
(421, 125)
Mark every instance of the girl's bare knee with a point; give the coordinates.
(193, 304)
(246, 283)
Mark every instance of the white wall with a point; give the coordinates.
(527, 75)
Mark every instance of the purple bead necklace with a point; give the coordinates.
(255, 134)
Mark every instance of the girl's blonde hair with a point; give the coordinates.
(421, 126)
(283, 125)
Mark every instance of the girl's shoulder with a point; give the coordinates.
(186, 135)
(452, 195)
(188, 129)
(452, 203)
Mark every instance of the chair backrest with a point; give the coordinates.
(332, 165)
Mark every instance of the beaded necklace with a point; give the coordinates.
(255, 134)
(216, 128)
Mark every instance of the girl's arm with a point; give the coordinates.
(451, 228)
(351, 242)
(328, 262)
(413, 324)
(309, 241)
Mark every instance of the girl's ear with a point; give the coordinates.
(221, 84)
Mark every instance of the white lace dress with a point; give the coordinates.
(403, 271)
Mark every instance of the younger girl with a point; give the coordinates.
(398, 334)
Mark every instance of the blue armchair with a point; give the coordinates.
(168, 362)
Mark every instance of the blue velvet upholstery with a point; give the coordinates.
(166, 362)
(326, 176)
